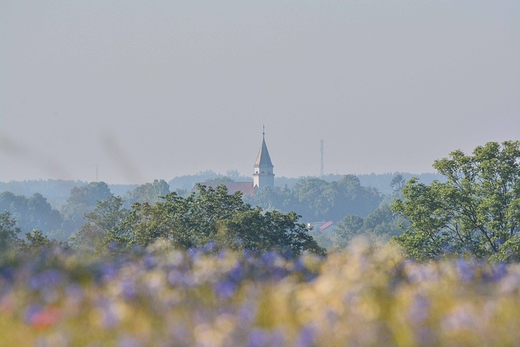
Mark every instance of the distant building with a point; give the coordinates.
(263, 175)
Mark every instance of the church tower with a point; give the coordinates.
(263, 175)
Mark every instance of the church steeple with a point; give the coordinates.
(263, 174)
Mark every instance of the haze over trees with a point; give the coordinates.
(91, 210)
(107, 215)
(379, 226)
(148, 192)
(318, 200)
(81, 201)
(472, 208)
(30, 213)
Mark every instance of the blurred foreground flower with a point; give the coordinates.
(363, 297)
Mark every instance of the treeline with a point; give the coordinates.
(474, 210)
(211, 219)
(314, 199)
(36, 213)
(381, 182)
(57, 191)
(318, 200)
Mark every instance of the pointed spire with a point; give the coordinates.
(263, 159)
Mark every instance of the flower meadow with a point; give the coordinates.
(160, 297)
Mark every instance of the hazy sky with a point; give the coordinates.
(157, 89)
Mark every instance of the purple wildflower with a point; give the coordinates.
(306, 337)
(466, 270)
(419, 309)
(225, 289)
(257, 338)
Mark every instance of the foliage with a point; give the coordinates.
(378, 227)
(148, 192)
(36, 239)
(350, 227)
(256, 230)
(211, 215)
(220, 180)
(187, 182)
(11, 244)
(276, 198)
(397, 182)
(36, 242)
(476, 211)
(81, 201)
(56, 191)
(31, 213)
(8, 233)
(176, 298)
(107, 215)
(316, 199)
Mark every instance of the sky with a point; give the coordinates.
(145, 90)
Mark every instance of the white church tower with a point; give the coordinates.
(263, 175)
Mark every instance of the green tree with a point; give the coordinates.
(347, 196)
(31, 213)
(257, 230)
(379, 226)
(107, 215)
(309, 201)
(8, 233)
(269, 198)
(36, 241)
(476, 211)
(383, 222)
(317, 199)
(397, 182)
(211, 215)
(148, 192)
(348, 228)
(41, 215)
(81, 201)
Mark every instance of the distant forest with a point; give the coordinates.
(379, 181)
(57, 191)
(355, 204)
(472, 209)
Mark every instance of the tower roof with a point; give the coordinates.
(263, 159)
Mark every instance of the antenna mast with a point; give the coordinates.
(97, 172)
(321, 167)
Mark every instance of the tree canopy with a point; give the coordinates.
(378, 226)
(211, 216)
(81, 201)
(148, 192)
(8, 233)
(31, 213)
(476, 211)
(316, 199)
(107, 215)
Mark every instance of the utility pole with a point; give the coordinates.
(97, 173)
(322, 170)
